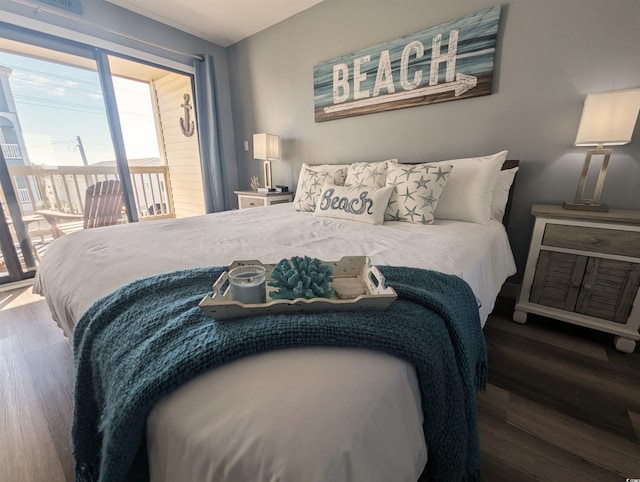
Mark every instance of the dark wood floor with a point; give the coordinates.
(561, 405)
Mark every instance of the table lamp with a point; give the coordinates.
(266, 147)
(608, 119)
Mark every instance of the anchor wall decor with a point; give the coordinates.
(187, 125)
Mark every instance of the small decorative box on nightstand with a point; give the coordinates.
(584, 268)
(251, 199)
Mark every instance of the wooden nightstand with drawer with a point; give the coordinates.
(584, 268)
(251, 199)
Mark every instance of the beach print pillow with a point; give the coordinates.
(366, 204)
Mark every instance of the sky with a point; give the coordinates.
(56, 104)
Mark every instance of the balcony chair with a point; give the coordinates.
(103, 206)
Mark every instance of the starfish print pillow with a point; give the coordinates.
(368, 174)
(416, 191)
(310, 184)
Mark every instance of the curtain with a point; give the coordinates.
(207, 118)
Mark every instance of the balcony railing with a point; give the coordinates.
(62, 188)
(11, 151)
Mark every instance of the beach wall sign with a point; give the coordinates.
(451, 61)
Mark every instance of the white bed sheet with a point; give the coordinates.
(80, 268)
(312, 414)
(300, 415)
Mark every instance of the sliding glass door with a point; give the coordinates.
(53, 130)
(71, 116)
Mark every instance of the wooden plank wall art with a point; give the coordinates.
(451, 61)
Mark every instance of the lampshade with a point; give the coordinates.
(266, 146)
(608, 118)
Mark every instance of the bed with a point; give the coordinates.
(355, 414)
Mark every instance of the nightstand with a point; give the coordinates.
(251, 199)
(584, 268)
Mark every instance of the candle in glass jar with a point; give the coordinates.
(248, 284)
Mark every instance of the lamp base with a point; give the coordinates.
(603, 208)
(266, 169)
(582, 203)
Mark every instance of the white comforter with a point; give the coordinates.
(312, 414)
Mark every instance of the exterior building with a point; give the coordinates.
(11, 140)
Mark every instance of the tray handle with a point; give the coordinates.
(221, 286)
(375, 281)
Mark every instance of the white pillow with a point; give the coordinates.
(416, 191)
(501, 193)
(310, 182)
(361, 174)
(469, 190)
(367, 204)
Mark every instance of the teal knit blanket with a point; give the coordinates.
(148, 338)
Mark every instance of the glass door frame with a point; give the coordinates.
(15, 272)
(106, 81)
(9, 253)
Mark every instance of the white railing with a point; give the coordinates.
(62, 188)
(23, 195)
(11, 151)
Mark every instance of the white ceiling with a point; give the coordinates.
(223, 22)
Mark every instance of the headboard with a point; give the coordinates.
(509, 164)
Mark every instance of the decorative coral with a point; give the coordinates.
(301, 278)
(255, 183)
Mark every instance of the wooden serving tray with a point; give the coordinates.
(221, 306)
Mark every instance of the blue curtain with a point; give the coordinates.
(207, 117)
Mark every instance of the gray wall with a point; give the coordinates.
(127, 22)
(551, 54)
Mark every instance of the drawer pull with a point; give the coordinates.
(588, 287)
(575, 284)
